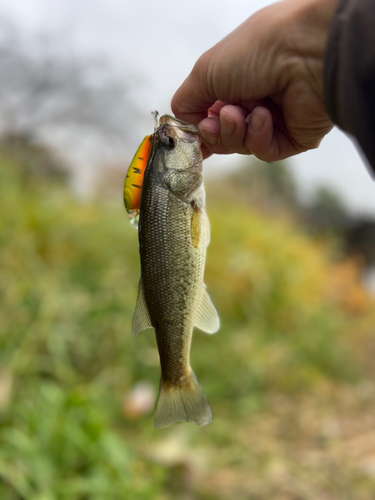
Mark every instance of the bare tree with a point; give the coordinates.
(75, 103)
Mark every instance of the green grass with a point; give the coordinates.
(68, 282)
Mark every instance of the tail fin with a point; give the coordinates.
(185, 401)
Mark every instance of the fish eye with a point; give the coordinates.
(169, 142)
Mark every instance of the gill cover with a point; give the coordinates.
(134, 178)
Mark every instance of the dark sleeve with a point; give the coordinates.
(349, 72)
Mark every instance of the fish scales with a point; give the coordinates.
(173, 236)
(172, 273)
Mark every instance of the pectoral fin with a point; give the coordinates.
(208, 230)
(196, 221)
(206, 317)
(141, 318)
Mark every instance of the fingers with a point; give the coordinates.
(264, 139)
(234, 130)
(210, 132)
(224, 130)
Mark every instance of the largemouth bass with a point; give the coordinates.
(173, 236)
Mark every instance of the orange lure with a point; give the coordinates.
(134, 179)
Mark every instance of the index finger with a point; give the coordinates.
(192, 100)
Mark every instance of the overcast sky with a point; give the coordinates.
(155, 44)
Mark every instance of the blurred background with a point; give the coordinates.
(290, 375)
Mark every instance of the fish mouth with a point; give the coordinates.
(182, 128)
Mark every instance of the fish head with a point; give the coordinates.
(172, 153)
(180, 158)
(181, 142)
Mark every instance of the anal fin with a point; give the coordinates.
(141, 318)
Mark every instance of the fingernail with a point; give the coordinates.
(210, 138)
(227, 126)
(256, 122)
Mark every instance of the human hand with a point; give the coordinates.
(260, 89)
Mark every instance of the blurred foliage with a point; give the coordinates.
(270, 186)
(34, 162)
(328, 200)
(327, 213)
(289, 375)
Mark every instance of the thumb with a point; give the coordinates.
(192, 100)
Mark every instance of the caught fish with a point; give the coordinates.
(165, 192)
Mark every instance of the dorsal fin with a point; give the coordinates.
(206, 317)
(141, 318)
